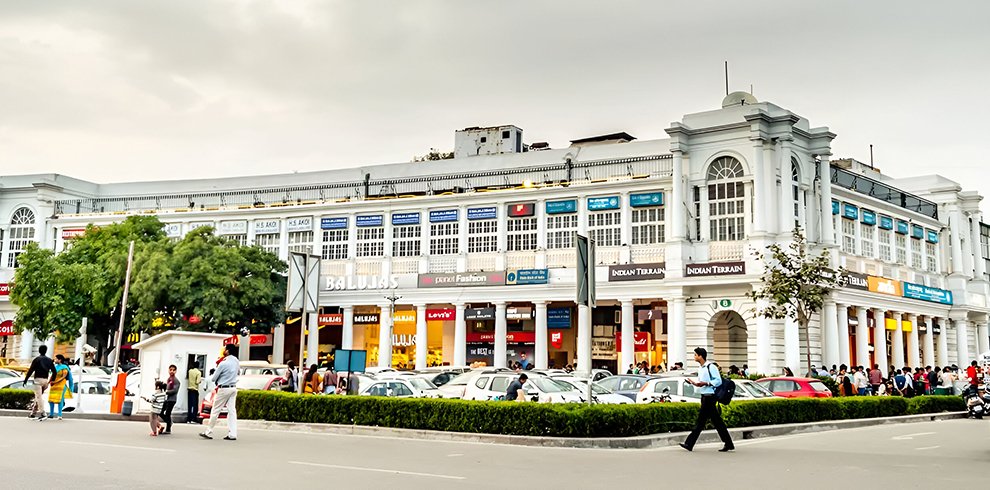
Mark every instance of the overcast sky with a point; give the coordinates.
(123, 90)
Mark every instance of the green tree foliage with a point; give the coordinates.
(52, 295)
(795, 283)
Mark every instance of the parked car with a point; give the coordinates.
(265, 382)
(681, 390)
(627, 385)
(10, 373)
(439, 378)
(262, 368)
(95, 394)
(412, 387)
(457, 386)
(794, 387)
(375, 370)
(601, 395)
(493, 386)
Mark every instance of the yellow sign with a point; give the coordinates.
(891, 324)
(884, 286)
(906, 326)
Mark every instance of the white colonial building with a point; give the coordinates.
(472, 259)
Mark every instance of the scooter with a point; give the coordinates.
(976, 406)
(662, 397)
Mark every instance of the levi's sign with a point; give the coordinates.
(458, 279)
(340, 283)
(715, 269)
(440, 314)
(637, 272)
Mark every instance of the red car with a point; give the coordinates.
(267, 382)
(789, 387)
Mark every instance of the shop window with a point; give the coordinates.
(482, 236)
(370, 241)
(301, 241)
(605, 228)
(521, 234)
(900, 242)
(21, 234)
(335, 244)
(560, 230)
(916, 254)
(726, 201)
(931, 253)
(240, 239)
(647, 226)
(849, 236)
(405, 241)
(269, 242)
(866, 238)
(444, 238)
(886, 236)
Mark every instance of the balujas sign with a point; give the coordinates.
(350, 283)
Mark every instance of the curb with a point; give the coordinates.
(136, 417)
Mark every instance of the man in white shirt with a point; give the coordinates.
(862, 381)
(225, 378)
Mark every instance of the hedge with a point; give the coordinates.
(565, 420)
(16, 399)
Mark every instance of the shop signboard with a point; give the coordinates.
(487, 212)
(366, 319)
(526, 276)
(268, 226)
(521, 210)
(603, 348)
(849, 211)
(201, 224)
(932, 236)
(476, 351)
(461, 279)
(637, 272)
(926, 293)
(6, 328)
(868, 217)
(641, 341)
(883, 285)
(172, 230)
(440, 314)
(646, 199)
(70, 233)
(333, 223)
(558, 318)
(510, 337)
(405, 218)
(299, 223)
(855, 280)
(332, 319)
(835, 207)
(603, 203)
(556, 339)
(404, 318)
(936, 329)
(443, 215)
(649, 315)
(518, 313)
(357, 283)
(369, 220)
(562, 207)
(257, 340)
(886, 222)
(715, 269)
(479, 313)
(917, 232)
(233, 227)
(4, 289)
(902, 227)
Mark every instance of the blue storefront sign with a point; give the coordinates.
(925, 293)
(849, 211)
(868, 217)
(647, 199)
(558, 318)
(372, 220)
(487, 212)
(333, 223)
(932, 236)
(886, 223)
(405, 218)
(562, 207)
(603, 203)
(917, 232)
(527, 276)
(902, 227)
(443, 216)
(835, 207)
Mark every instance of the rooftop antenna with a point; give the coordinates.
(751, 89)
(727, 78)
(871, 155)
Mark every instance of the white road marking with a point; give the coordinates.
(910, 436)
(924, 448)
(454, 455)
(378, 470)
(120, 446)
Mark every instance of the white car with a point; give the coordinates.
(494, 385)
(263, 367)
(680, 390)
(600, 394)
(402, 388)
(95, 394)
(457, 387)
(375, 370)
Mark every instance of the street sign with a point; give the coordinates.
(312, 283)
(349, 361)
(294, 291)
(585, 270)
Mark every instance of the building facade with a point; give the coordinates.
(472, 259)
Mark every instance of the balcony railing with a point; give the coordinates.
(878, 190)
(725, 251)
(640, 254)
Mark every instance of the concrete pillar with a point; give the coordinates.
(955, 234)
(347, 328)
(828, 233)
(676, 332)
(862, 338)
(584, 339)
(542, 349)
(786, 205)
(313, 340)
(460, 336)
(27, 345)
(278, 344)
(792, 346)
(982, 338)
(929, 343)
(77, 353)
(764, 363)
(422, 343)
(385, 336)
(943, 341)
(770, 188)
(760, 200)
(677, 199)
(913, 358)
(979, 266)
(880, 340)
(628, 337)
(962, 342)
(830, 328)
(843, 330)
(897, 344)
(500, 332)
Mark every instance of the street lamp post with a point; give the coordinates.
(391, 327)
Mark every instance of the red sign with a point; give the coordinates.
(70, 233)
(556, 339)
(522, 209)
(6, 328)
(257, 339)
(334, 319)
(641, 341)
(510, 337)
(4, 289)
(440, 314)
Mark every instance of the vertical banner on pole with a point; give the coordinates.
(585, 297)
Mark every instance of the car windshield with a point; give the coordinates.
(547, 385)
(422, 384)
(462, 379)
(754, 390)
(582, 385)
(246, 383)
(818, 386)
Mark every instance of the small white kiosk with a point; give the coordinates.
(182, 349)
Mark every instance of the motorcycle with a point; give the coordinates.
(976, 405)
(662, 397)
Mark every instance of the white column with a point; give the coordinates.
(955, 234)
(759, 198)
(786, 208)
(897, 344)
(422, 345)
(677, 198)
(962, 342)
(460, 336)
(278, 344)
(763, 361)
(792, 346)
(770, 188)
(676, 332)
(983, 338)
(830, 329)
(880, 340)
(942, 356)
(313, 340)
(542, 349)
(80, 342)
(584, 339)
(862, 338)
(628, 337)
(980, 268)
(385, 336)
(914, 359)
(929, 342)
(27, 345)
(500, 331)
(828, 234)
(843, 330)
(347, 328)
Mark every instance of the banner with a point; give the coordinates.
(715, 269)
(461, 279)
(637, 272)
(443, 314)
(526, 276)
(603, 203)
(332, 319)
(641, 341)
(479, 313)
(558, 318)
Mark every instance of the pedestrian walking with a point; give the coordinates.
(42, 368)
(171, 396)
(947, 380)
(291, 379)
(330, 381)
(61, 387)
(313, 380)
(193, 378)
(876, 379)
(226, 381)
(708, 380)
(973, 373)
(903, 382)
(862, 381)
(157, 401)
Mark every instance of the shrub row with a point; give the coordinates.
(565, 420)
(16, 399)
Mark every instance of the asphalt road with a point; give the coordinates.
(102, 454)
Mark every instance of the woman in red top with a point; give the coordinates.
(974, 374)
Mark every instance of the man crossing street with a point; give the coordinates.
(708, 380)
(225, 378)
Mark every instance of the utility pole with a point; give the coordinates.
(123, 308)
(391, 328)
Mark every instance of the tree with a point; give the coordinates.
(51, 295)
(435, 154)
(796, 283)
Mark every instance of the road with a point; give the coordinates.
(103, 454)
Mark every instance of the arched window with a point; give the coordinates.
(21, 234)
(796, 194)
(726, 200)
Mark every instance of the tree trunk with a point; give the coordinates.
(803, 324)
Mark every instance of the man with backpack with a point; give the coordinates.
(708, 380)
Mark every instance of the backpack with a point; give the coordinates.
(725, 391)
